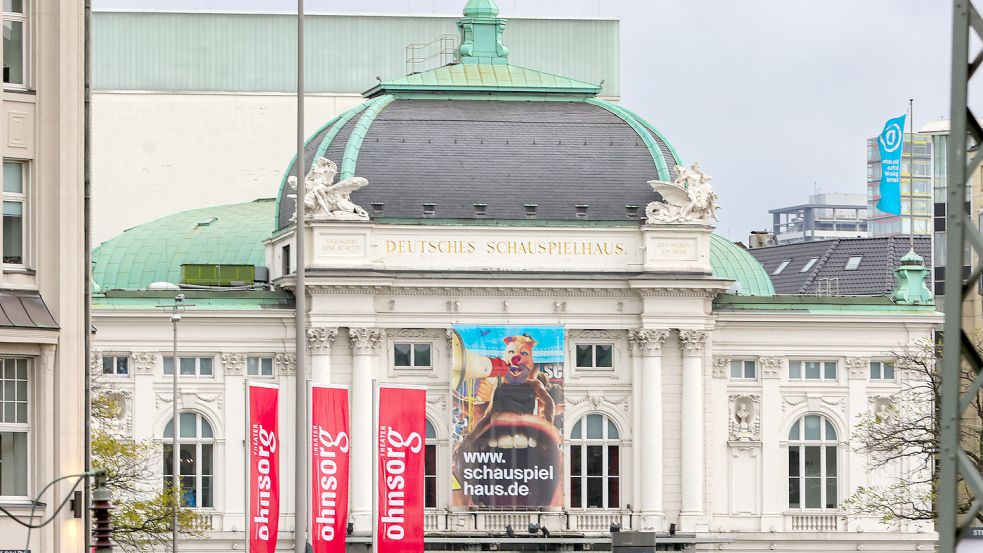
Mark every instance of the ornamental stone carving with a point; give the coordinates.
(365, 341)
(234, 363)
(858, 367)
(744, 418)
(648, 342)
(595, 335)
(285, 363)
(144, 362)
(771, 367)
(720, 366)
(95, 364)
(320, 339)
(326, 201)
(596, 400)
(883, 408)
(413, 333)
(692, 341)
(687, 199)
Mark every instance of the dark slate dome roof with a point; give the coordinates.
(482, 131)
(504, 154)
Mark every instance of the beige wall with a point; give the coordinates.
(44, 127)
(159, 153)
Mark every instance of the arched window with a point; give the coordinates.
(595, 463)
(812, 464)
(196, 443)
(430, 468)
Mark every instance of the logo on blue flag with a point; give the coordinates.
(890, 145)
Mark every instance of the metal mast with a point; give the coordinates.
(957, 347)
(300, 295)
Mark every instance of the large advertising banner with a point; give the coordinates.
(264, 468)
(507, 416)
(401, 434)
(330, 448)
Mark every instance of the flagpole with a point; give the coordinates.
(300, 302)
(911, 171)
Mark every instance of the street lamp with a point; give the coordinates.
(175, 454)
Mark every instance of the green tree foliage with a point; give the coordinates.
(143, 507)
(901, 439)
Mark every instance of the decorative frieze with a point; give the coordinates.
(413, 333)
(365, 341)
(745, 424)
(771, 367)
(857, 367)
(597, 399)
(693, 341)
(648, 342)
(144, 362)
(789, 402)
(320, 339)
(721, 365)
(595, 335)
(285, 363)
(234, 364)
(210, 398)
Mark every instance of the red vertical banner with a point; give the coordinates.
(264, 468)
(330, 447)
(401, 449)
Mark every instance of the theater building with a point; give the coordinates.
(682, 389)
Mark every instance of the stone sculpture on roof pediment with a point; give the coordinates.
(325, 199)
(687, 199)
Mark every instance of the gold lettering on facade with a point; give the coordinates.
(507, 247)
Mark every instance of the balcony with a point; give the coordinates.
(813, 522)
(590, 521)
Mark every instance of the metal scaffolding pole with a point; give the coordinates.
(957, 347)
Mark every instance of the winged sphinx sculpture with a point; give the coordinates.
(687, 199)
(324, 200)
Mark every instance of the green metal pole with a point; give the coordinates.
(955, 233)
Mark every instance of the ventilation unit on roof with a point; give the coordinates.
(201, 274)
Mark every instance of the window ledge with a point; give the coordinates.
(18, 270)
(19, 90)
(23, 505)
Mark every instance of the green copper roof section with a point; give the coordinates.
(228, 234)
(842, 305)
(730, 261)
(640, 129)
(481, 8)
(485, 78)
(350, 157)
(655, 131)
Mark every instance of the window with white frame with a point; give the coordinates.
(812, 464)
(15, 426)
(259, 365)
(15, 43)
(15, 176)
(410, 355)
(118, 365)
(189, 366)
(430, 468)
(812, 370)
(743, 369)
(595, 463)
(196, 443)
(881, 370)
(595, 356)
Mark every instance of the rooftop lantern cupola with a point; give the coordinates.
(911, 279)
(481, 34)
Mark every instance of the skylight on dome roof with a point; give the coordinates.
(853, 263)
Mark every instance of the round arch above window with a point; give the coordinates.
(595, 463)
(813, 463)
(196, 454)
(191, 425)
(595, 426)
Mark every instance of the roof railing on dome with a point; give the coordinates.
(443, 49)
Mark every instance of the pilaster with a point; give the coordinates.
(692, 517)
(774, 491)
(319, 342)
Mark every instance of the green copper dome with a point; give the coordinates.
(234, 234)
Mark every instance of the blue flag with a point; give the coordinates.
(890, 143)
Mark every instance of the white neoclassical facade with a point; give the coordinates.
(693, 397)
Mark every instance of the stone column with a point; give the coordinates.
(692, 518)
(365, 344)
(319, 341)
(648, 436)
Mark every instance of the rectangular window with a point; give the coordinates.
(14, 209)
(595, 356)
(15, 43)
(259, 366)
(812, 370)
(743, 370)
(118, 365)
(14, 426)
(430, 477)
(411, 355)
(881, 370)
(189, 366)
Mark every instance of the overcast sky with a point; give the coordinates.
(774, 98)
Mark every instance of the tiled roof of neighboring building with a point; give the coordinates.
(875, 259)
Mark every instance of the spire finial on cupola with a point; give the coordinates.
(481, 34)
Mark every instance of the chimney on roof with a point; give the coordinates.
(761, 239)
